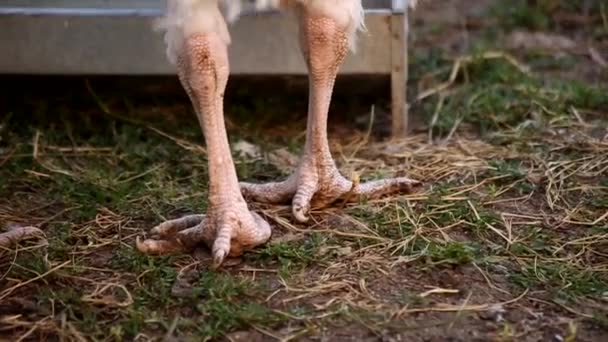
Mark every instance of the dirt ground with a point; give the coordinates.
(507, 239)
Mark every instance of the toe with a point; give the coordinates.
(302, 198)
(300, 212)
(218, 259)
(158, 247)
(222, 244)
(170, 228)
(276, 192)
(227, 230)
(193, 236)
(262, 229)
(384, 187)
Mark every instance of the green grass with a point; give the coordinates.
(292, 257)
(484, 207)
(227, 305)
(453, 253)
(496, 96)
(561, 281)
(541, 15)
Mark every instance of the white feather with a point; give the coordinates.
(186, 17)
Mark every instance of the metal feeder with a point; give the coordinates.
(115, 37)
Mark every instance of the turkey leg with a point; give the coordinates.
(228, 228)
(317, 182)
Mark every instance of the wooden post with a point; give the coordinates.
(399, 67)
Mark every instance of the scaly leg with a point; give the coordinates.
(317, 182)
(229, 228)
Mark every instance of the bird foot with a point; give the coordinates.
(228, 230)
(318, 184)
(17, 234)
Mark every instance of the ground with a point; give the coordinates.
(506, 240)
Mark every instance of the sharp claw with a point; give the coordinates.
(410, 184)
(19, 233)
(181, 236)
(154, 232)
(274, 193)
(300, 213)
(218, 259)
(157, 247)
(141, 245)
(301, 200)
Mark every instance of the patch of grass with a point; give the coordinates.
(129, 259)
(224, 317)
(581, 95)
(470, 211)
(453, 253)
(598, 202)
(156, 275)
(134, 322)
(388, 221)
(509, 170)
(140, 165)
(535, 241)
(334, 275)
(291, 256)
(562, 281)
(229, 303)
(540, 61)
(509, 173)
(496, 96)
(67, 301)
(28, 265)
(543, 14)
(59, 241)
(520, 14)
(493, 95)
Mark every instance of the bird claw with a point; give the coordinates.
(325, 187)
(20, 233)
(228, 232)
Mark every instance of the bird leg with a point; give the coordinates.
(317, 182)
(228, 228)
(17, 234)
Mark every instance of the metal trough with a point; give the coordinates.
(115, 37)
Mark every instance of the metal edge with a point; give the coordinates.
(399, 6)
(124, 12)
(92, 56)
(83, 12)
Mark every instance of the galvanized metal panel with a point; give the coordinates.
(74, 44)
(115, 37)
(131, 4)
(108, 4)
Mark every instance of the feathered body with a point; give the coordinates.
(186, 17)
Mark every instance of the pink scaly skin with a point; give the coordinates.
(228, 228)
(317, 181)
